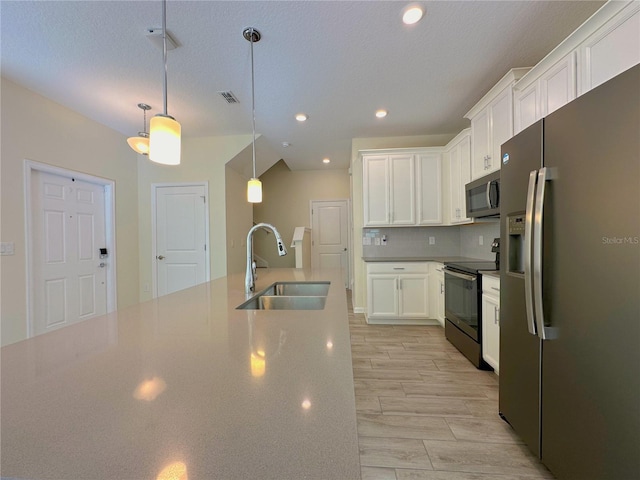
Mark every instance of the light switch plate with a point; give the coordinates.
(7, 248)
(432, 240)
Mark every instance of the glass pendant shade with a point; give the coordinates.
(139, 144)
(254, 191)
(164, 140)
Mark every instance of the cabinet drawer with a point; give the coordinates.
(491, 285)
(398, 268)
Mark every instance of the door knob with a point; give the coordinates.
(160, 257)
(102, 265)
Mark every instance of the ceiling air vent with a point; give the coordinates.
(229, 97)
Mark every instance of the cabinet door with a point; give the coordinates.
(480, 134)
(402, 190)
(413, 291)
(610, 51)
(501, 127)
(382, 296)
(460, 175)
(375, 189)
(491, 331)
(526, 106)
(558, 85)
(429, 179)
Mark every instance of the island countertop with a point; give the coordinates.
(186, 386)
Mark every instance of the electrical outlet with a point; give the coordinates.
(432, 240)
(377, 241)
(480, 240)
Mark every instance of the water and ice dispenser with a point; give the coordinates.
(515, 247)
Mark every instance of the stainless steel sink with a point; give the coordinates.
(294, 289)
(289, 296)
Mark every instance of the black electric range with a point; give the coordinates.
(463, 307)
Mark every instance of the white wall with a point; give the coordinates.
(357, 144)
(203, 159)
(239, 220)
(35, 128)
(285, 204)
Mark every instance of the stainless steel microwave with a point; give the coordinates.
(482, 196)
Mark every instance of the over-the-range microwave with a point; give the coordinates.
(482, 196)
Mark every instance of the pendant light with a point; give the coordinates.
(164, 131)
(254, 187)
(140, 144)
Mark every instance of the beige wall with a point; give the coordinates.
(38, 129)
(203, 159)
(357, 144)
(239, 220)
(285, 204)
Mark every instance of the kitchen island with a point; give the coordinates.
(186, 387)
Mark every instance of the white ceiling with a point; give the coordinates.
(337, 61)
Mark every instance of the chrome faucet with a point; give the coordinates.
(250, 277)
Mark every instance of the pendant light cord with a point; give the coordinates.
(164, 51)
(253, 107)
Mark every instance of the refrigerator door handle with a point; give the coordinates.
(528, 238)
(546, 174)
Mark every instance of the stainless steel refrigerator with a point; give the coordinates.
(570, 284)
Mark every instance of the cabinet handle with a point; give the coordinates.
(494, 288)
(496, 312)
(398, 268)
(441, 288)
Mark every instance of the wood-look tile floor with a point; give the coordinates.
(426, 413)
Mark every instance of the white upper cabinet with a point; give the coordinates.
(612, 49)
(429, 188)
(402, 187)
(459, 157)
(604, 46)
(537, 96)
(402, 190)
(492, 124)
(376, 181)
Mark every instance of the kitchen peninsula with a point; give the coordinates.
(186, 386)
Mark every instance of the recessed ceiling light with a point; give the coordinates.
(286, 144)
(381, 113)
(301, 117)
(326, 160)
(412, 14)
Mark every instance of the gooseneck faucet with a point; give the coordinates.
(250, 277)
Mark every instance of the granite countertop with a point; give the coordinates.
(421, 259)
(186, 386)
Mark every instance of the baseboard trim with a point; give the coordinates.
(358, 310)
(403, 321)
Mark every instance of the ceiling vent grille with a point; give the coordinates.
(229, 97)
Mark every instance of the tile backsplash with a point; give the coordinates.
(462, 240)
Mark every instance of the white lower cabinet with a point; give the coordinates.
(491, 321)
(398, 292)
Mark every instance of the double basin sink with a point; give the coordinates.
(289, 296)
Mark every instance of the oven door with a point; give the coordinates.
(461, 301)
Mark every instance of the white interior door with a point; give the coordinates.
(330, 236)
(68, 228)
(181, 237)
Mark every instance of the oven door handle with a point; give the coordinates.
(471, 278)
